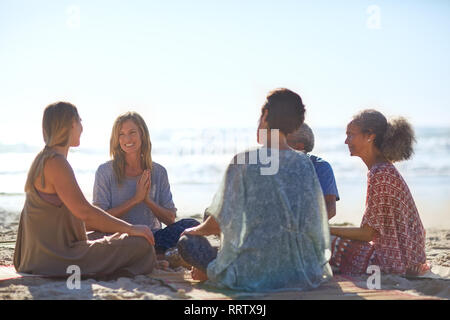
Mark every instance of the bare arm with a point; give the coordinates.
(117, 211)
(59, 173)
(166, 216)
(364, 233)
(123, 208)
(142, 189)
(330, 202)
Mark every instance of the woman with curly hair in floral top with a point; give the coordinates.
(391, 234)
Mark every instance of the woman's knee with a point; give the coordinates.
(194, 244)
(196, 251)
(183, 243)
(189, 244)
(140, 244)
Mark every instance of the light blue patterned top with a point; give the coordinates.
(109, 194)
(274, 228)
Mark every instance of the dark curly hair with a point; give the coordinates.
(394, 138)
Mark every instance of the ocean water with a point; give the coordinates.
(196, 159)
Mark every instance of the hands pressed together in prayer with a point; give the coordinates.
(143, 187)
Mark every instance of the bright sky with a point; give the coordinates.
(211, 63)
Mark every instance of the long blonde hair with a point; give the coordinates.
(56, 127)
(116, 152)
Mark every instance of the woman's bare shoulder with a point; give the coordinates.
(54, 166)
(57, 162)
(58, 168)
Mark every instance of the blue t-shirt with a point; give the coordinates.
(326, 176)
(108, 194)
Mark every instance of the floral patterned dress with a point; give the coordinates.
(399, 243)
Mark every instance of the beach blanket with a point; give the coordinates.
(338, 288)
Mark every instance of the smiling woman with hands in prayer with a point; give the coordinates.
(136, 189)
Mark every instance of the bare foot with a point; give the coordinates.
(197, 274)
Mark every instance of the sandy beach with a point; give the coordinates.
(149, 287)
